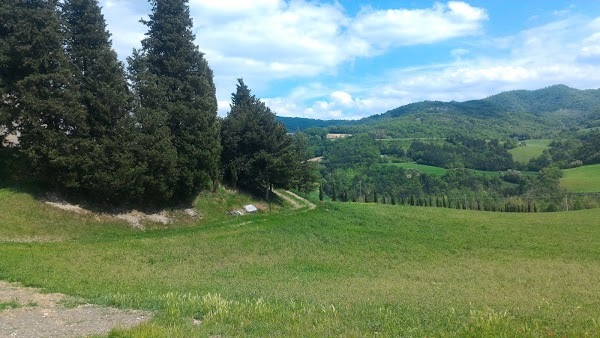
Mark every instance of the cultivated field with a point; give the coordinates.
(532, 149)
(582, 179)
(339, 270)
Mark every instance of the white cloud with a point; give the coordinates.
(268, 42)
(403, 27)
(564, 51)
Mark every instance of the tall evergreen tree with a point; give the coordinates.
(39, 93)
(178, 85)
(110, 168)
(154, 151)
(255, 146)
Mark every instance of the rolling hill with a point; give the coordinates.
(530, 114)
(342, 269)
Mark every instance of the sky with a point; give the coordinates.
(349, 59)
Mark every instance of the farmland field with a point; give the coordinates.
(428, 169)
(532, 149)
(582, 179)
(342, 269)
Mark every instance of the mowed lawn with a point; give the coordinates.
(532, 149)
(582, 179)
(339, 270)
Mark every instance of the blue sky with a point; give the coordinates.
(351, 59)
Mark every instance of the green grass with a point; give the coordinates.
(340, 270)
(426, 169)
(13, 304)
(432, 170)
(582, 179)
(532, 149)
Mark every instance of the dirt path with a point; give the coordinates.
(306, 202)
(25, 312)
(294, 201)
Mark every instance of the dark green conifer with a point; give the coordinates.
(39, 92)
(110, 167)
(178, 87)
(256, 146)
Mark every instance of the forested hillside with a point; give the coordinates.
(530, 114)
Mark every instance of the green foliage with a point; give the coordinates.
(462, 151)
(356, 151)
(296, 124)
(110, 167)
(174, 87)
(41, 95)
(524, 114)
(258, 152)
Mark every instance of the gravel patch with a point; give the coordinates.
(43, 315)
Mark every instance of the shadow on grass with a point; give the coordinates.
(16, 177)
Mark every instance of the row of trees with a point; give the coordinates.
(458, 188)
(146, 135)
(463, 151)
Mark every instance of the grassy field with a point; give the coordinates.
(428, 169)
(532, 149)
(339, 270)
(582, 179)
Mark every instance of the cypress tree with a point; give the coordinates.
(256, 145)
(109, 168)
(154, 152)
(333, 193)
(39, 91)
(320, 192)
(179, 87)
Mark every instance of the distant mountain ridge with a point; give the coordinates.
(545, 100)
(532, 112)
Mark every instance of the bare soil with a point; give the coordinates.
(295, 202)
(34, 314)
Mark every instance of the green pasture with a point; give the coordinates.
(343, 269)
(582, 179)
(426, 169)
(432, 170)
(531, 149)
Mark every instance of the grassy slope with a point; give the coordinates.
(428, 169)
(342, 269)
(582, 179)
(532, 149)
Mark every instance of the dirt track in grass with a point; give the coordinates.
(26, 312)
